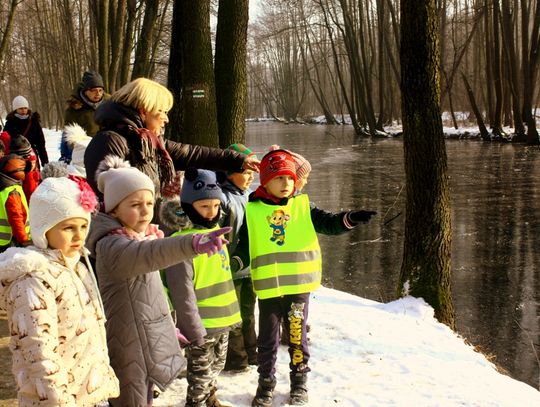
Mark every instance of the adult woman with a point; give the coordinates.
(22, 121)
(132, 123)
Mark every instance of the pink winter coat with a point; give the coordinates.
(57, 329)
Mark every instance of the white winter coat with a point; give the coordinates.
(57, 329)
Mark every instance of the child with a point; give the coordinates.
(14, 230)
(279, 238)
(242, 349)
(128, 251)
(202, 293)
(21, 146)
(55, 314)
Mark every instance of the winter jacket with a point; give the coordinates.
(117, 137)
(234, 207)
(57, 330)
(31, 182)
(324, 222)
(140, 331)
(31, 129)
(81, 111)
(180, 283)
(16, 210)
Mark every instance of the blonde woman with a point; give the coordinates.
(132, 124)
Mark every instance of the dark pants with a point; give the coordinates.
(294, 308)
(243, 339)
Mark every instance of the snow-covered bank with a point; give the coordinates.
(365, 353)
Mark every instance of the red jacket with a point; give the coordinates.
(17, 217)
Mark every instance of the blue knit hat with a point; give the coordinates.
(201, 184)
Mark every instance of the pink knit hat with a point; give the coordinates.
(303, 167)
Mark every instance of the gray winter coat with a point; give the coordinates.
(140, 332)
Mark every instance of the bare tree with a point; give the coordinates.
(191, 52)
(425, 271)
(230, 70)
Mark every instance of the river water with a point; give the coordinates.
(496, 229)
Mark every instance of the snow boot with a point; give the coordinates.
(212, 400)
(265, 392)
(299, 392)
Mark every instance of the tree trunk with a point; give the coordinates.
(191, 53)
(142, 65)
(425, 271)
(230, 70)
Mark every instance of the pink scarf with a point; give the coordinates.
(152, 233)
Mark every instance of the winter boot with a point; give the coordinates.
(212, 400)
(265, 392)
(299, 393)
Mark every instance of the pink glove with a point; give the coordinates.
(211, 242)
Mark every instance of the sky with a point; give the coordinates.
(369, 354)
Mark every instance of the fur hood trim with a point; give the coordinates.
(172, 215)
(75, 134)
(15, 262)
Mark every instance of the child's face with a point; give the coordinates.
(207, 208)
(281, 186)
(136, 210)
(242, 180)
(301, 182)
(68, 236)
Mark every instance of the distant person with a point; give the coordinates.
(14, 226)
(129, 251)
(132, 124)
(202, 292)
(279, 241)
(56, 320)
(81, 106)
(242, 349)
(20, 146)
(23, 121)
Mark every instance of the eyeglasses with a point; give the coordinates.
(95, 90)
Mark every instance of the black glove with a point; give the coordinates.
(361, 216)
(235, 264)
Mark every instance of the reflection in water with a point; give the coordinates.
(496, 232)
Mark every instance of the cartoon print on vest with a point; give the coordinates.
(278, 223)
(224, 262)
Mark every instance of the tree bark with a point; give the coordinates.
(425, 271)
(230, 70)
(191, 53)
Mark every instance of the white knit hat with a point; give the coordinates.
(18, 102)
(55, 200)
(116, 180)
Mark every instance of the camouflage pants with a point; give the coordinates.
(205, 363)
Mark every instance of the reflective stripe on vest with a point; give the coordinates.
(284, 249)
(5, 228)
(214, 288)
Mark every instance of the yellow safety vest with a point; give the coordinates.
(214, 287)
(283, 247)
(5, 228)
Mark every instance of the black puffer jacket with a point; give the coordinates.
(118, 137)
(31, 129)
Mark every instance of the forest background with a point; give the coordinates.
(304, 58)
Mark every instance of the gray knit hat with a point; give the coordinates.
(116, 180)
(201, 184)
(92, 79)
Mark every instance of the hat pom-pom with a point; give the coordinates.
(111, 162)
(54, 169)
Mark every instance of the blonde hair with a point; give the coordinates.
(145, 94)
